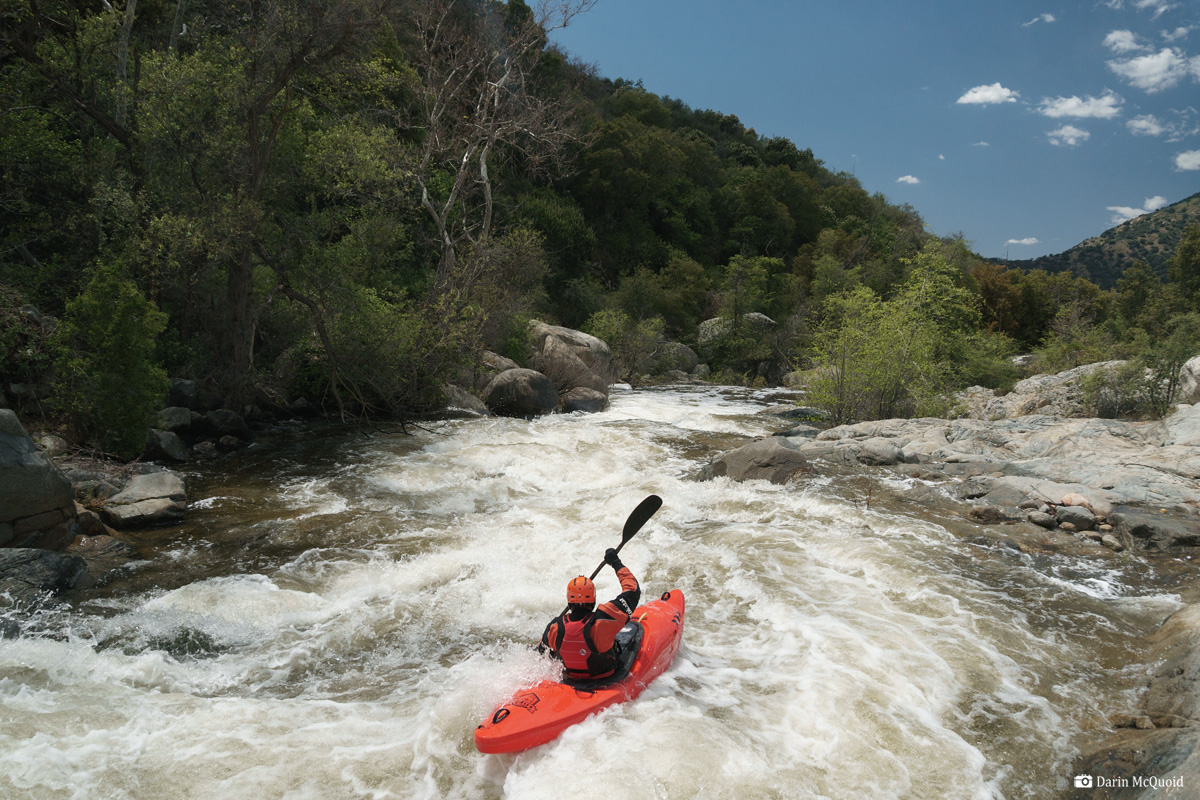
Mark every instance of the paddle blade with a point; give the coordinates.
(640, 516)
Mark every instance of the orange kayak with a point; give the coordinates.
(538, 714)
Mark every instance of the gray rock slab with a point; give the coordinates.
(154, 486)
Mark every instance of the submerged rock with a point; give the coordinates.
(521, 393)
(28, 575)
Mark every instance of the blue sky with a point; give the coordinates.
(1026, 126)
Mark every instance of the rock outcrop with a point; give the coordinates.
(1162, 737)
(29, 575)
(37, 504)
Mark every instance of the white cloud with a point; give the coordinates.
(909, 179)
(1037, 19)
(981, 144)
(1157, 6)
(1126, 213)
(1067, 135)
(1188, 160)
(941, 157)
(1146, 125)
(1124, 42)
(989, 95)
(1178, 33)
(1105, 107)
(1027, 240)
(1156, 71)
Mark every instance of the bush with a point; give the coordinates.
(109, 384)
(630, 341)
(1117, 392)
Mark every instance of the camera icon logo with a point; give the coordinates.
(1083, 781)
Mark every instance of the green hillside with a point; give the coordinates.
(1150, 238)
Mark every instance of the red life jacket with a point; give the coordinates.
(578, 651)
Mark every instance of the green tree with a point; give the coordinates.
(1183, 270)
(109, 383)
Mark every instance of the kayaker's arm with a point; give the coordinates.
(612, 616)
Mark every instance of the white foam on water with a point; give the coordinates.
(829, 650)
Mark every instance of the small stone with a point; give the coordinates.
(1069, 527)
(1105, 528)
(1042, 518)
(1112, 543)
(229, 443)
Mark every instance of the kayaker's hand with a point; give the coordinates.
(612, 559)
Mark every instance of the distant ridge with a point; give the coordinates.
(1151, 238)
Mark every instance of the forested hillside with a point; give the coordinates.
(348, 201)
(1150, 238)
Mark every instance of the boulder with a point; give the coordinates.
(51, 445)
(667, 356)
(713, 329)
(1189, 382)
(37, 503)
(1042, 518)
(302, 408)
(566, 370)
(150, 500)
(592, 351)
(1078, 516)
(177, 419)
(774, 459)
(224, 422)
(1155, 532)
(29, 575)
(584, 399)
(459, 400)
(520, 393)
(166, 446)
(184, 393)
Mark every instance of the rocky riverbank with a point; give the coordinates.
(1047, 483)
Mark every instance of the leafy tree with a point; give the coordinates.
(1183, 270)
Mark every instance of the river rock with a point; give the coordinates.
(51, 445)
(302, 408)
(774, 459)
(151, 500)
(1155, 532)
(592, 351)
(165, 445)
(37, 503)
(1078, 516)
(459, 401)
(521, 393)
(224, 422)
(566, 370)
(668, 356)
(1048, 521)
(177, 420)
(584, 399)
(29, 575)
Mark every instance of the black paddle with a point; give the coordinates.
(640, 516)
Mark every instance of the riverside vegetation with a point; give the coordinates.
(348, 202)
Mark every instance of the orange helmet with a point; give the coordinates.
(581, 590)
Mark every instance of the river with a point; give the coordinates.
(344, 605)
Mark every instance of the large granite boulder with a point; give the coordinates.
(774, 458)
(571, 359)
(37, 504)
(1189, 382)
(521, 393)
(1059, 395)
(713, 329)
(668, 356)
(223, 422)
(592, 351)
(150, 500)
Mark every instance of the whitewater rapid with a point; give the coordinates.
(341, 610)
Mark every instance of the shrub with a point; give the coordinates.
(108, 383)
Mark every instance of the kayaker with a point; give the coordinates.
(583, 636)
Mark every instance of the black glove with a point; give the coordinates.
(612, 559)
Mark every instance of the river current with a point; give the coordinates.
(344, 606)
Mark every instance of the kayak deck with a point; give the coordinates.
(537, 715)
